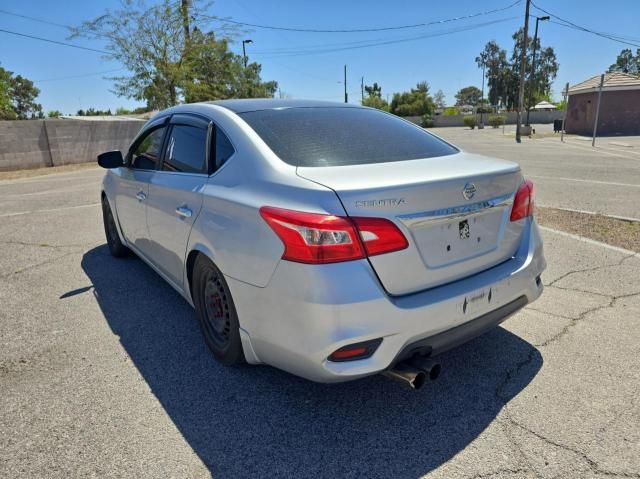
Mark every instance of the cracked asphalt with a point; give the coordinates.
(103, 373)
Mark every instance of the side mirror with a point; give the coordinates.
(111, 159)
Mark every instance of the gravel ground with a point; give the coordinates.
(621, 233)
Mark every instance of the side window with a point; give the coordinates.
(186, 150)
(224, 150)
(146, 156)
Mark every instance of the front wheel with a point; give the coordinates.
(116, 248)
(216, 312)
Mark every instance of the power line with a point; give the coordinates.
(569, 24)
(56, 42)
(34, 19)
(80, 76)
(388, 42)
(364, 30)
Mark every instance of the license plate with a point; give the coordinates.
(463, 229)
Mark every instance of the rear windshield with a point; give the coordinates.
(330, 136)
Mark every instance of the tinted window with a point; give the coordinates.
(147, 154)
(186, 150)
(223, 148)
(325, 136)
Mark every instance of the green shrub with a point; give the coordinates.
(427, 121)
(496, 120)
(470, 121)
(450, 111)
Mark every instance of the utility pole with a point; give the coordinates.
(532, 77)
(482, 94)
(346, 97)
(566, 107)
(595, 123)
(244, 52)
(362, 89)
(523, 60)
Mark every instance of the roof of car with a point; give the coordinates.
(255, 104)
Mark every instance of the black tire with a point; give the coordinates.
(216, 312)
(116, 248)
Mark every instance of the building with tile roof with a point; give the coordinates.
(619, 107)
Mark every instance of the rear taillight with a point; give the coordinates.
(317, 238)
(523, 203)
(379, 235)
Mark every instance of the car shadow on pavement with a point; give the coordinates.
(256, 421)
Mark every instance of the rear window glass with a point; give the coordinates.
(326, 136)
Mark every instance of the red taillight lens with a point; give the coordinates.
(312, 237)
(523, 204)
(317, 238)
(380, 235)
(355, 351)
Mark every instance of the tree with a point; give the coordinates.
(439, 100)
(6, 108)
(416, 102)
(373, 90)
(627, 62)
(172, 55)
(18, 97)
(376, 102)
(502, 73)
(469, 95)
(374, 97)
(498, 72)
(546, 69)
(54, 114)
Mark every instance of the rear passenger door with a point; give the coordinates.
(175, 193)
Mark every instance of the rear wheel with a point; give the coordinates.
(116, 248)
(216, 312)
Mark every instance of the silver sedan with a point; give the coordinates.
(329, 240)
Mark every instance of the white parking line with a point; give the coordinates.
(597, 182)
(5, 215)
(599, 149)
(590, 241)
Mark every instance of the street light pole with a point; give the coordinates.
(523, 60)
(533, 65)
(244, 52)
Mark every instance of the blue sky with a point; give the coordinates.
(446, 62)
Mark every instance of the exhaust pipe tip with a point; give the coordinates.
(431, 368)
(412, 377)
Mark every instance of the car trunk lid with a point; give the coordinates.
(454, 211)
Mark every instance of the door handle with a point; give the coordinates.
(141, 196)
(184, 211)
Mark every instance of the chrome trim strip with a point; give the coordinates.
(443, 214)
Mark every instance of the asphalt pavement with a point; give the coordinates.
(103, 372)
(570, 174)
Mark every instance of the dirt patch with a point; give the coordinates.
(12, 175)
(621, 233)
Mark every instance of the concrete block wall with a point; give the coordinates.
(23, 144)
(41, 143)
(536, 117)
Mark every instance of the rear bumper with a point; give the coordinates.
(453, 337)
(307, 312)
